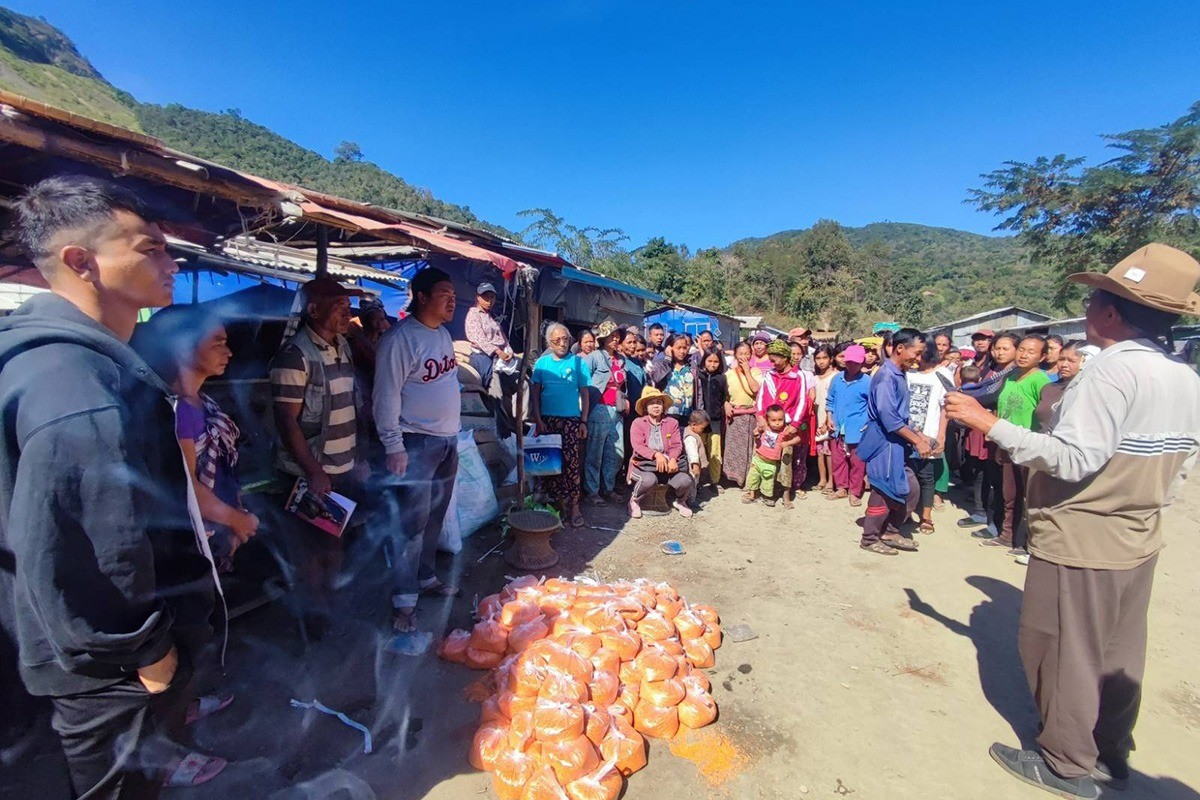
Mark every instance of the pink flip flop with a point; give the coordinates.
(205, 706)
(193, 770)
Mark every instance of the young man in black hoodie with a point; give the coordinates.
(101, 567)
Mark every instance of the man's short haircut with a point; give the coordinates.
(656, 326)
(1054, 337)
(1034, 337)
(69, 203)
(423, 283)
(698, 417)
(1012, 337)
(970, 372)
(701, 333)
(904, 337)
(774, 408)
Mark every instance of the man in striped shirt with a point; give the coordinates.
(312, 385)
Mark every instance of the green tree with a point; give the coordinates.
(1076, 218)
(590, 247)
(347, 153)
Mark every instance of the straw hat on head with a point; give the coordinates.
(651, 393)
(1157, 276)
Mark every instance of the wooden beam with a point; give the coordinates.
(322, 251)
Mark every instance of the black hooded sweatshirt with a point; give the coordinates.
(98, 555)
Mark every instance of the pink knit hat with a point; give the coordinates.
(855, 354)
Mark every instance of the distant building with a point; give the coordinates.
(1068, 329)
(998, 319)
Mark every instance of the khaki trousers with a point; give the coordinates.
(1083, 644)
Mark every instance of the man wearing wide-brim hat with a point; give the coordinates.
(1126, 433)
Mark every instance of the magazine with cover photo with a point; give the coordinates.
(331, 512)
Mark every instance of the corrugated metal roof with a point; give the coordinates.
(279, 257)
(993, 312)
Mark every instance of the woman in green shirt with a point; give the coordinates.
(1017, 403)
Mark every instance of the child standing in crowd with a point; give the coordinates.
(846, 416)
(974, 453)
(927, 396)
(824, 371)
(764, 466)
(693, 447)
(712, 391)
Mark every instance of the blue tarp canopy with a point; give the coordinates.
(593, 279)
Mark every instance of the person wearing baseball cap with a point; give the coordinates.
(312, 385)
(1123, 439)
(489, 344)
(847, 416)
(803, 337)
(981, 342)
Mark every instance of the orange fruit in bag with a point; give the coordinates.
(570, 759)
(630, 695)
(489, 741)
(707, 613)
(490, 713)
(511, 772)
(655, 721)
(586, 644)
(696, 680)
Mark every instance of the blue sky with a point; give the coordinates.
(699, 121)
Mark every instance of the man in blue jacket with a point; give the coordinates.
(886, 445)
(101, 567)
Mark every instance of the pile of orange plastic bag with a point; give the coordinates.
(582, 671)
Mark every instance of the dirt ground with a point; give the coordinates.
(871, 677)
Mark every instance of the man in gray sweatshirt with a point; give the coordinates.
(417, 408)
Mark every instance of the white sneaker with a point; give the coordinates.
(682, 508)
(1022, 559)
(979, 518)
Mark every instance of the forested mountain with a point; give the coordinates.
(845, 278)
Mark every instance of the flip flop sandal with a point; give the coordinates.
(193, 770)
(404, 621)
(442, 590)
(206, 706)
(878, 548)
(578, 521)
(747, 498)
(926, 527)
(855, 501)
(906, 545)
(789, 505)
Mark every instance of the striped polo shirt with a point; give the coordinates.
(289, 377)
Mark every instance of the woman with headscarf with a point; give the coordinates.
(758, 346)
(742, 382)
(792, 390)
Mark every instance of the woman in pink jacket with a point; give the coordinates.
(657, 444)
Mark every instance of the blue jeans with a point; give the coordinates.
(605, 449)
(417, 504)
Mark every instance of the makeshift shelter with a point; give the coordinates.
(689, 319)
(584, 298)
